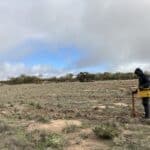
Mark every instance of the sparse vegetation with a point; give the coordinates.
(45, 140)
(71, 128)
(55, 141)
(84, 135)
(38, 106)
(42, 119)
(4, 127)
(106, 131)
(102, 105)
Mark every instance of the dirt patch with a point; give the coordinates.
(90, 90)
(54, 126)
(99, 107)
(127, 132)
(88, 144)
(112, 107)
(77, 141)
(121, 104)
(87, 131)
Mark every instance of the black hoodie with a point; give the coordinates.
(144, 80)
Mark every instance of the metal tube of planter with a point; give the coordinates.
(133, 105)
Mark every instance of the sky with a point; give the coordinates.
(55, 37)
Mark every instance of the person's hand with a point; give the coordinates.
(135, 92)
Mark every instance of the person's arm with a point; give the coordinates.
(145, 83)
(144, 86)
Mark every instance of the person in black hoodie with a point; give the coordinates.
(144, 83)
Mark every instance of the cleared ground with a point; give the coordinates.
(63, 115)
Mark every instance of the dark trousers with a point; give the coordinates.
(146, 104)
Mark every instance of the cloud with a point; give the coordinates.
(130, 67)
(117, 32)
(9, 70)
(113, 33)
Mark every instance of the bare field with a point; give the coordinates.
(63, 115)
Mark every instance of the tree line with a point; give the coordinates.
(81, 77)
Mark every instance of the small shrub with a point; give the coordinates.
(132, 142)
(17, 143)
(38, 106)
(70, 128)
(2, 105)
(42, 119)
(43, 140)
(84, 136)
(106, 131)
(19, 116)
(55, 141)
(4, 127)
(32, 103)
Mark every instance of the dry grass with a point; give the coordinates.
(92, 104)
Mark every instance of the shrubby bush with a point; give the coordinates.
(86, 77)
(23, 79)
(106, 131)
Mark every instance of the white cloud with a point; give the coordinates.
(9, 70)
(109, 32)
(130, 67)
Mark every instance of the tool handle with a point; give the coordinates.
(133, 105)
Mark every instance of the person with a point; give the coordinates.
(144, 83)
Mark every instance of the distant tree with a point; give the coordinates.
(23, 79)
(81, 76)
(85, 77)
(69, 77)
